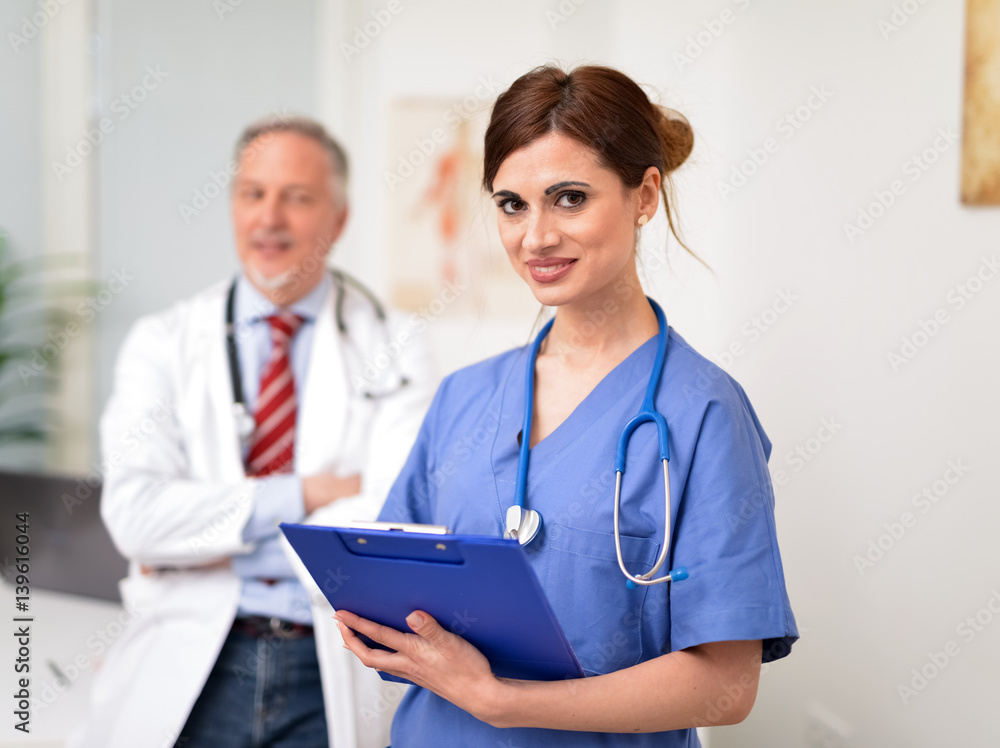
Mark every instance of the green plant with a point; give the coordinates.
(28, 359)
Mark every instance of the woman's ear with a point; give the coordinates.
(648, 194)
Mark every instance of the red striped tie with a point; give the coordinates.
(273, 445)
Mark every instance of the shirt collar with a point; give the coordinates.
(252, 305)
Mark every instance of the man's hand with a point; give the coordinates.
(324, 488)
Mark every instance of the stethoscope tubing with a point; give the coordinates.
(647, 413)
(245, 423)
(521, 486)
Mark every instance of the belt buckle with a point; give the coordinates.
(280, 630)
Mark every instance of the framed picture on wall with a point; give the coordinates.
(981, 125)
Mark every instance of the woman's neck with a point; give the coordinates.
(606, 325)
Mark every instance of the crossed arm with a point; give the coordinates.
(709, 684)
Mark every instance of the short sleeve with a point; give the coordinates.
(725, 536)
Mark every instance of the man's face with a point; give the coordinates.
(288, 209)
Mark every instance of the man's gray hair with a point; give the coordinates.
(301, 125)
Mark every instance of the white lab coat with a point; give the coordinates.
(175, 495)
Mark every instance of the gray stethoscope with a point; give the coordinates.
(523, 524)
(245, 423)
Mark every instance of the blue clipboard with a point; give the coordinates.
(479, 587)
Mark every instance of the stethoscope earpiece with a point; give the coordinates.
(674, 575)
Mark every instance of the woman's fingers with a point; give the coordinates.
(431, 656)
(374, 631)
(379, 659)
(424, 626)
(429, 642)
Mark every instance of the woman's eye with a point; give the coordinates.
(511, 205)
(571, 199)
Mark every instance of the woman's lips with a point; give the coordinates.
(550, 269)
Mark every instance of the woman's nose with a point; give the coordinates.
(539, 232)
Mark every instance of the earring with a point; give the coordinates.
(643, 220)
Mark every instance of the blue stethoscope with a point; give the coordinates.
(523, 524)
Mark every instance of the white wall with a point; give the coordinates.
(825, 358)
(20, 191)
(209, 70)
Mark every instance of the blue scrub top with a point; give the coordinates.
(462, 473)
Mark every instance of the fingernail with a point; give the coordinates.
(414, 620)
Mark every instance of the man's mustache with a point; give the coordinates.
(282, 237)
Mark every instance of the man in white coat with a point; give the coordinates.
(232, 643)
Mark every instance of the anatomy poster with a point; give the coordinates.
(444, 250)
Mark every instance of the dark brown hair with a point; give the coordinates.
(601, 108)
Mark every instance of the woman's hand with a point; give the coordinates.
(709, 684)
(431, 657)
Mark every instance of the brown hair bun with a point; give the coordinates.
(677, 138)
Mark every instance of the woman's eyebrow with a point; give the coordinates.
(560, 185)
(506, 193)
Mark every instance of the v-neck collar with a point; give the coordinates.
(596, 410)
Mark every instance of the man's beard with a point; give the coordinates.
(269, 283)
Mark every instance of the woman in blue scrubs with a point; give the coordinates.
(576, 164)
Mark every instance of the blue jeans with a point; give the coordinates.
(262, 693)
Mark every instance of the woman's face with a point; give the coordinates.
(567, 222)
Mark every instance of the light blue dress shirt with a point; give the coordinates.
(279, 497)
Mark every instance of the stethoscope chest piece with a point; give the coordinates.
(245, 423)
(522, 524)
